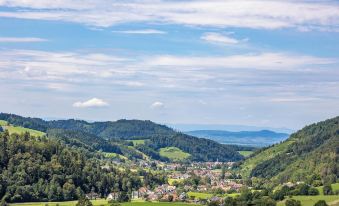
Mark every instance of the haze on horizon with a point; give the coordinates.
(258, 63)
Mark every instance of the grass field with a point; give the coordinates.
(137, 142)
(311, 200)
(170, 181)
(14, 129)
(174, 153)
(335, 187)
(245, 153)
(113, 155)
(102, 202)
(208, 195)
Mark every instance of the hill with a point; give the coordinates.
(309, 155)
(113, 136)
(42, 169)
(4, 125)
(250, 138)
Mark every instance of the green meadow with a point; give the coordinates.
(137, 142)
(14, 129)
(311, 200)
(245, 153)
(174, 153)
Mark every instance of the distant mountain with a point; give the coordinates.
(110, 137)
(248, 138)
(226, 127)
(310, 155)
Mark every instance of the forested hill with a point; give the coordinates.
(42, 169)
(123, 129)
(100, 135)
(310, 155)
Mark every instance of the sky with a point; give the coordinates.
(258, 63)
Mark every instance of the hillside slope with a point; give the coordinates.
(308, 155)
(101, 134)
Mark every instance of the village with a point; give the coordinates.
(194, 182)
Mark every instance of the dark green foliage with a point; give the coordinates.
(123, 197)
(201, 150)
(327, 189)
(321, 203)
(265, 201)
(41, 169)
(83, 139)
(95, 135)
(83, 201)
(247, 197)
(301, 189)
(313, 153)
(292, 202)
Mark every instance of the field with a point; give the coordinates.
(13, 129)
(208, 195)
(113, 155)
(102, 202)
(171, 181)
(137, 142)
(335, 187)
(173, 153)
(311, 200)
(245, 153)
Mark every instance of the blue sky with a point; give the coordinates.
(259, 63)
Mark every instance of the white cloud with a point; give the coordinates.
(21, 39)
(157, 105)
(94, 102)
(219, 38)
(258, 14)
(293, 99)
(144, 31)
(262, 61)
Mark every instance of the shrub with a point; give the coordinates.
(321, 203)
(292, 202)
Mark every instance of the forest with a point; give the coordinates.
(42, 169)
(110, 136)
(311, 156)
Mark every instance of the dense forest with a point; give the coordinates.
(41, 169)
(199, 148)
(311, 156)
(109, 136)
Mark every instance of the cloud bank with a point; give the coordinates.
(255, 14)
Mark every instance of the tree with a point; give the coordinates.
(278, 195)
(229, 201)
(321, 203)
(313, 191)
(327, 189)
(3, 203)
(292, 202)
(265, 201)
(83, 201)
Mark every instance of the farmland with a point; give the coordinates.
(174, 153)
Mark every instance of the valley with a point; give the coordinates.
(118, 162)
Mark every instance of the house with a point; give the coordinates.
(215, 199)
(152, 197)
(92, 196)
(113, 196)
